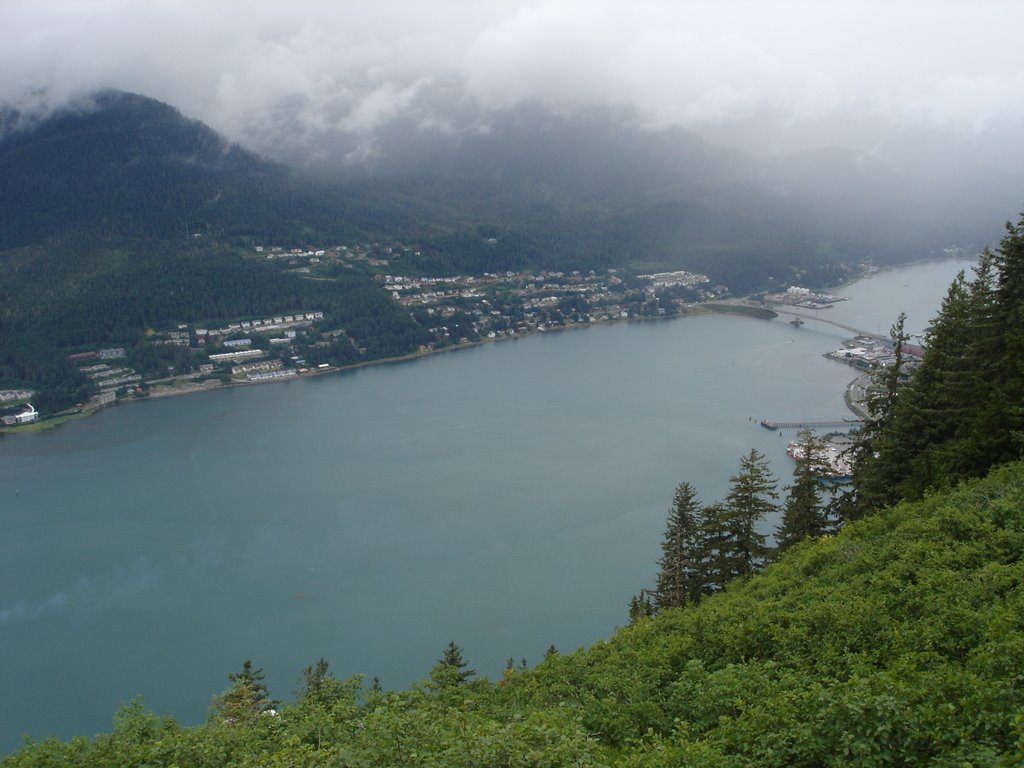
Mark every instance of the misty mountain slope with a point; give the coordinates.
(595, 190)
(524, 188)
(126, 165)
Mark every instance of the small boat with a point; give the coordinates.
(796, 321)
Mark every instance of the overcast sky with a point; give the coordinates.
(244, 67)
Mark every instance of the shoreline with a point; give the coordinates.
(186, 385)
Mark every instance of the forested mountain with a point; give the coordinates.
(596, 189)
(58, 298)
(119, 215)
(529, 188)
(122, 165)
(103, 201)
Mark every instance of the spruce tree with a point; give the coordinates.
(640, 607)
(879, 454)
(962, 411)
(803, 514)
(934, 408)
(679, 581)
(313, 678)
(983, 437)
(1008, 402)
(751, 498)
(247, 698)
(713, 574)
(451, 669)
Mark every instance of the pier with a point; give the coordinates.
(776, 425)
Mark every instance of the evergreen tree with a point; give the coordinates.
(962, 411)
(313, 679)
(879, 456)
(984, 438)
(246, 699)
(1009, 292)
(679, 575)
(451, 669)
(803, 514)
(713, 573)
(640, 607)
(751, 498)
(936, 406)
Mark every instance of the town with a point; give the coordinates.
(451, 311)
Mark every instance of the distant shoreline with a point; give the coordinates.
(187, 385)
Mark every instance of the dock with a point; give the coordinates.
(776, 425)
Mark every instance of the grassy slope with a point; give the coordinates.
(897, 642)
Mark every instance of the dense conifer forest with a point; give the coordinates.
(896, 640)
(64, 298)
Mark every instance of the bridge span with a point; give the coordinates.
(815, 318)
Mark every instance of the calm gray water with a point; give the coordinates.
(508, 497)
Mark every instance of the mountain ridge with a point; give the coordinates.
(576, 190)
(129, 166)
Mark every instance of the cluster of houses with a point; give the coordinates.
(103, 368)
(113, 353)
(110, 378)
(9, 395)
(308, 259)
(264, 325)
(521, 302)
(680, 277)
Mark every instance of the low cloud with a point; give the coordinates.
(268, 72)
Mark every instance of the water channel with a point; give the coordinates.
(508, 497)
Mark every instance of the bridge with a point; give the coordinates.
(815, 318)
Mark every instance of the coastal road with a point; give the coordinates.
(857, 394)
